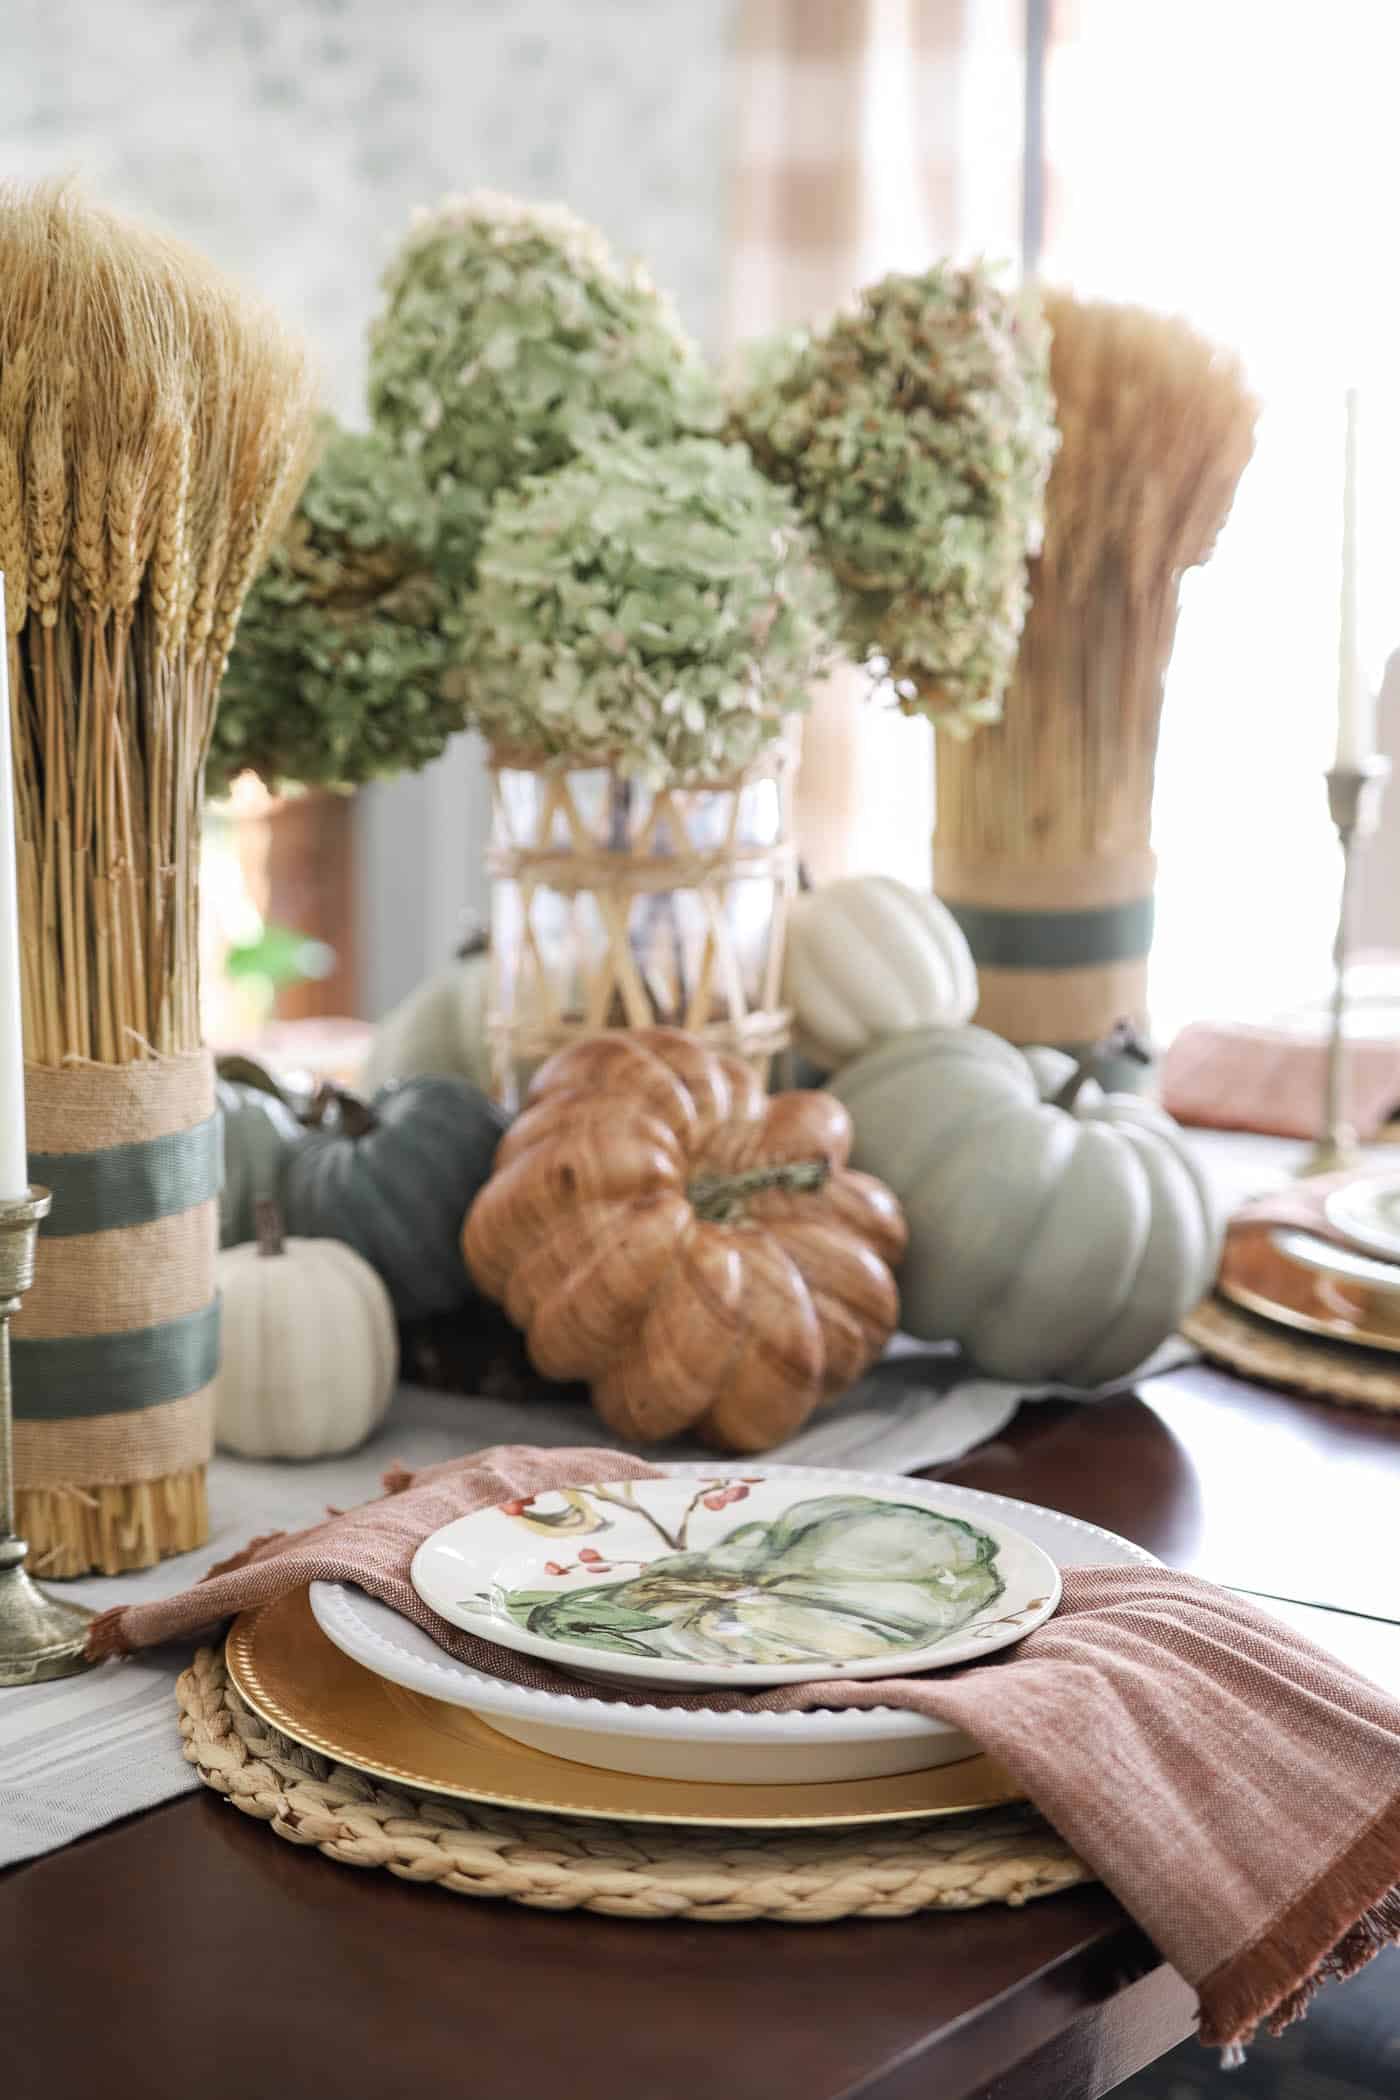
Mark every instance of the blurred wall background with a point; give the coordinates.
(292, 139)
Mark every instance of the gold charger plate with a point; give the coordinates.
(284, 1667)
(1258, 1275)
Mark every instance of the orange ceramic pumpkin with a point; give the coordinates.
(694, 1248)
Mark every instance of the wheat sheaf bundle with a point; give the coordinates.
(1156, 428)
(154, 433)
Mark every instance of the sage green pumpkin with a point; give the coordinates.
(393, 1178)
(260, 1129)
(1053, 1238)
(440, 1028)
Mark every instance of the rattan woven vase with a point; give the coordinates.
(619, 905)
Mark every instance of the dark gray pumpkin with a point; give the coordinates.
(260, 1129)
(394, 1179)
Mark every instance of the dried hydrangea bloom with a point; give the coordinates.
(916, 433)
(337, 670)
(512, 338)
(656, 607)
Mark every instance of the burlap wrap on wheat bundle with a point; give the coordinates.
(117, 1341)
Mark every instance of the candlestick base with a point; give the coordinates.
(40, 1636)
(1331, 1154)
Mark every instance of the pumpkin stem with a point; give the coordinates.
(246, 1071)
(1122, 1040)
(336, 1108)
(267, 1221)
(719, 1199)
(473, 940)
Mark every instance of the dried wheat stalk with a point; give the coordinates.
(154, 433)
(1157, 425)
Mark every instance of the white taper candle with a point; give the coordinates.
(14, 1170)
(1356, 703)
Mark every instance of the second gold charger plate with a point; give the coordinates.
(1258, 1273)
(286, 1669)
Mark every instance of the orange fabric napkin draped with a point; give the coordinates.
(1237, 1789)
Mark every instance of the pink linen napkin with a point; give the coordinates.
(1229, 1076)
(1236, 1788)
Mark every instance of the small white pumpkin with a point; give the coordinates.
(1057, 1232)
(438, 1031)
(868, 958)
(310, 1347)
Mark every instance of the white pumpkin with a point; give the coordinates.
(310, 1347)
(1057, 1232)
(867, 958)
(439, 1030)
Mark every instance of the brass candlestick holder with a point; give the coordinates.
(40, 1636)
(1354, 795)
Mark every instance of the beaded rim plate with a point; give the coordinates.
(675, 1742)
(286, 1669)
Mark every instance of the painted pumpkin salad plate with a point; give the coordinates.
(737, 1579)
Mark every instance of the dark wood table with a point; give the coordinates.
(190, 1955)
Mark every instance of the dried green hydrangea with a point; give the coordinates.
(655, 607)
(917, 434)
(512, 339)
(337, 671)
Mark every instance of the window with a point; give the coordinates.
(1233, 161)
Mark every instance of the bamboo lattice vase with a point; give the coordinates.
(619, 905)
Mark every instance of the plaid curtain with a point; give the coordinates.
(872, 135)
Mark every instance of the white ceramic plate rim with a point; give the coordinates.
(1313, 1253)
(1353, 1210)
(1032, 1595)
(348, 1617)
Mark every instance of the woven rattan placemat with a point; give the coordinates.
(1327, 1370)
(627, 1870)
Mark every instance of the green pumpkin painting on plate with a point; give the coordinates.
(831, 1580)
(837, 1584)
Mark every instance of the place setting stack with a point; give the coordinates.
(632, 1652)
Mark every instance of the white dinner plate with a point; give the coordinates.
(1325, 1255)
(1368, 1211)
(671, 1742)
(738, 1580)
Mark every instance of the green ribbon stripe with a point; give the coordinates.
(59, 1378)
(1056, 940)
(130, 1184)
